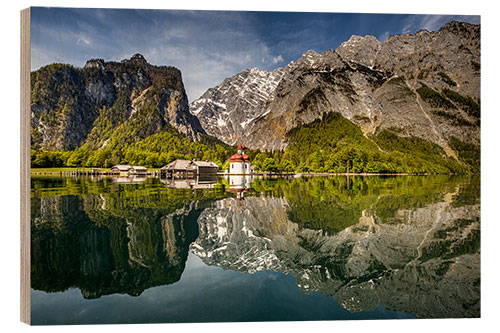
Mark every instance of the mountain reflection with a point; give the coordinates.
(106, 238)
(104, 254)
(407, 243)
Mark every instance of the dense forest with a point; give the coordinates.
(332, 144)
(155, 151)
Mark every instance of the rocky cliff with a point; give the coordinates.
(106, 101)
(226, 110)
(424, 85)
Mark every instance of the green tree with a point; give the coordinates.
(77, 158)
(269, 165)
(108, 163)
(285, 166)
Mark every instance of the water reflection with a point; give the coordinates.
(129, 179)
(409, 244)
(239, 185)
(102, 252)
(206, 182)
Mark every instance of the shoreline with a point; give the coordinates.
(67, 172)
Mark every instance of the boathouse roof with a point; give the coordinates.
(121, 167)
(188, 165)
(178, 165)
(205, 164)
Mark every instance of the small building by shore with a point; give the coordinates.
(121, 169)
(138, 170)
(188, 169)
(205, 168)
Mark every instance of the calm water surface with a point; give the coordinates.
(147, 250)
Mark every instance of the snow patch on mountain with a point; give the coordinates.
(227, 111)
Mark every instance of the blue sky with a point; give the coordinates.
(207, 46)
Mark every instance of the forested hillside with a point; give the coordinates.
(335, 144)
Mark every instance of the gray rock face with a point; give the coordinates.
(66, 101)
(423, 260)
(361, 50)
(175, 110)
(226, 110)
(62, 112)
(374, 84)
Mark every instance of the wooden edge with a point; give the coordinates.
(25, 166)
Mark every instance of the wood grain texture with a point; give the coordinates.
(25, 166)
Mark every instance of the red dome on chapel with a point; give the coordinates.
(236, 158)
(240, 157)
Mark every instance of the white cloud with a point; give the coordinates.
(278, 59)
(383, 36)
(434, 22)
(204, 67)
(215, 48)
(83, 40)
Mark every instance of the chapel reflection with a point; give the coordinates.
(239, 185)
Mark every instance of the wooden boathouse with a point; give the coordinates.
(188, 169)
(121, 169)
(138, 170)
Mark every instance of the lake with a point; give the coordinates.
(135, 250)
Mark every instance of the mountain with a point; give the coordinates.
(107, 104)
(424, 85)
(408, 104)
(226, 110)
